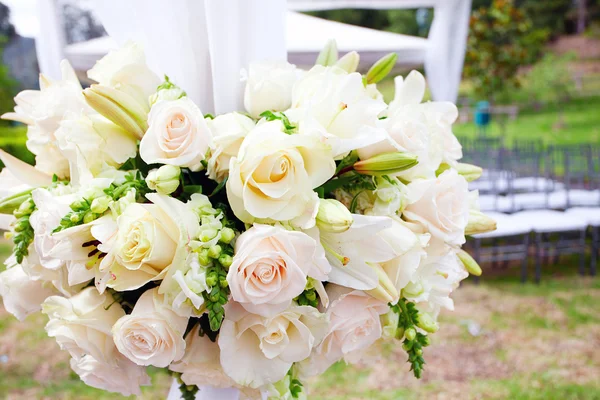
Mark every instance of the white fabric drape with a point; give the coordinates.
(50, 41)
(201, 44)
(447, 38)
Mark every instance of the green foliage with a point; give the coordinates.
(413, 341)
(8, 86)
(308, 298)
(81, 210)
(23, 231)
(13, 140)
(501, 40)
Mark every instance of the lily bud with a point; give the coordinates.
(329, 55)
(119, 107)
(385, 290)
(349, 62)
(333, 216)
(12, 203)
(386, 164)
(479, 223)
(469, 171)
(427, 323)
(381, 68)
(100, 204)
(469, 262)
(164, 180)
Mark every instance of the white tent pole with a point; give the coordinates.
(50, 41)
(447, 46)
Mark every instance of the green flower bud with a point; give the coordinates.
(100, 204)
(427, 323)
(227, 235)
(386, 164)
(203, 257)
(214, 251)
(165, 180)
(407, 346)
(426, 342)
(410, 334)
(226, 260)
(419, 352)
(167, 94)
(469, 171)
(75, 218)
(479, 223)
(88, 217)
(469, 262)
(22, 224)
(333, 216)
(223, 283)
(311, 295)
(381, 68)
(79, 205)
(211, 280)
(400, 333)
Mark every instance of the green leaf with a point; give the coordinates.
(219, 187)
(191, 189)
(354, 202)
(381, 68)
(346, 162)
(329, 55)
(279, 116)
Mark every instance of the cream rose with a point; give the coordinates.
(270, 268)
(144, 243)
(21, 294)
(441, 205)
(269, 87)
(256, 350)
(354, 325)
(274, 175)
(177, 135)
(228, 132)
(152, 334)
(120, 376)
(338, 101)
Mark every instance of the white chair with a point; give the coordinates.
(592, 216)
(509, 242)
(544, 223)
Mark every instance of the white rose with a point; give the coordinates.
(441, 205)
(145, 243)
(270, 268)
(91, 143)
(341, 104)
(42, 111)
(21, 294)
(126, 69)
(269, 87)
(258, 350)
(82, 324)
(152, 334)
(120, 376)
(274, 175)
(228, 132)
(354, 325)
(177, 135)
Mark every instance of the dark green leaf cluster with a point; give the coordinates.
(279, 116)
(188, 392)
(218, 295)
(81, 212)
(308, 298)
(350, 181)
(413, 341)
(23, 236)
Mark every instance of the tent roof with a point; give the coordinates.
(306, 37)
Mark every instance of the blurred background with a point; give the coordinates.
(525, 75)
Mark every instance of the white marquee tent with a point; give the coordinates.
(225, 35)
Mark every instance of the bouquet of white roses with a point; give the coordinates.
(247, 250)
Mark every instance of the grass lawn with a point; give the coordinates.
(504, 341)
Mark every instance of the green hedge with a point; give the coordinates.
(12, 140)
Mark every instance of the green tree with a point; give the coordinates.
(501, 40)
